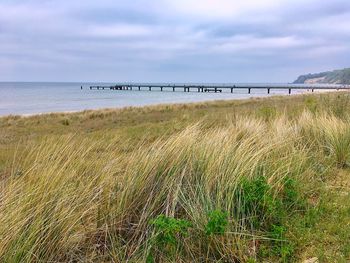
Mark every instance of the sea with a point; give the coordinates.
(27, 98)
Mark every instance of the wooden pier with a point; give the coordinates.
(228, 88)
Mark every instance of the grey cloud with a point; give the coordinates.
(142, 41)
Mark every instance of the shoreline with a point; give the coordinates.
(27, 115)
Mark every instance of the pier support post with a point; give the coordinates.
(312, 90)
(149, 88)
(139, 88)
(184, 89)
(173, 88)
(249, 90)
(130, 87)
(199, 89)
(161, 88)
(216, 89)
(268, 90)
(231, 90)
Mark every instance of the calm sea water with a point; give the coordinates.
(32, 98)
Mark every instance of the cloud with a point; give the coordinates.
(165, 40)
(250, 43)
(119, 30)
(220, 9)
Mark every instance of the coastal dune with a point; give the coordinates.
(233, 181)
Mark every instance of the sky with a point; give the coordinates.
(219, 41)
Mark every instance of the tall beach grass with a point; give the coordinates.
(206, 193)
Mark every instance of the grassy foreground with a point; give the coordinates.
(260, 180)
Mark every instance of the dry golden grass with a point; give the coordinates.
(86, 187)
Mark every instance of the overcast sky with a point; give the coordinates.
(172, 40)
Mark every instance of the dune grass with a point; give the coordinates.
(242, 181)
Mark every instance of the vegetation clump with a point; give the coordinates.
(168, 233)
(217, 223)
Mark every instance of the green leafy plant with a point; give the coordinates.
(168, 229)
(258, 200)
(269, 212)
(217, 223)
(281, 247)
(291, 193)
(168, 232)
